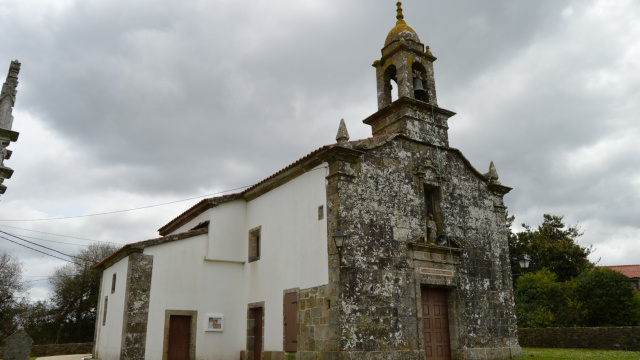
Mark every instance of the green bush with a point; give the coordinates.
(608, 298)
(538, 297)
(599, 297)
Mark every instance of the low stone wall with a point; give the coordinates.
(58, 349)
(615, 338)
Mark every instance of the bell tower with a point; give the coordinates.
(406, 62)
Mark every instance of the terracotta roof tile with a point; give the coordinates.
(630, 271)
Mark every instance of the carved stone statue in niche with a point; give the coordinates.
(432, 232)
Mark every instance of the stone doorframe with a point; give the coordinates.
(250, 327)
(194, 327)
(437, 267)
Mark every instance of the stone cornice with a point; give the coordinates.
(9, 134)
(403, 102)
(340, 153)
(430, 247)
(407, 45)
(499, 189)
(5, 172)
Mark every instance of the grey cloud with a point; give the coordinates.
(158, 101)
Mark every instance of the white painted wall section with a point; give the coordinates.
(183, 280)
(109, 338)
(293, 246)
(228, 232)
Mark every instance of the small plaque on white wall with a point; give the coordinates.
(215, 322)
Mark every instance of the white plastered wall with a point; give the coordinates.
(183, 280)
(293, 250)
(109, 337)
(208, 273)
(228, 234)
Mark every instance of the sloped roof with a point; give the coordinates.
(139, 246)
(288, 172)
(630, 271)
(295, 169)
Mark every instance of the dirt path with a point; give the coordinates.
(64, 357)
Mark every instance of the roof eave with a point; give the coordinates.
(140, 246)
(196, 210)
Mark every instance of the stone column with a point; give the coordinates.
(7, 100)
(404, 78)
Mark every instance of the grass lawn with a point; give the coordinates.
(577, 354)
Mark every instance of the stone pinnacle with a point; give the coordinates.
(343, 135)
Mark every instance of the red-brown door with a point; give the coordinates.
(257, 334)
(291, 322)
(179, 337)
(435, 323)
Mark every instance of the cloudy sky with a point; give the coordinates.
(126, 104)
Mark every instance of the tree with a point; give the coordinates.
(608, 298)
(75, 295)
(11, 286)
(553, 246)
(38, 320)
(542, 301)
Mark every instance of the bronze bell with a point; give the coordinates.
(418, 89)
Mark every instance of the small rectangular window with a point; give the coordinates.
(113, 284)
(104, 311)
(254, 244)
(320, 212)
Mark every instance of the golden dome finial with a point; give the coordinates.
(400, 17)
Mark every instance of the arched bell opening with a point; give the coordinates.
(419, 83)
(390, 85)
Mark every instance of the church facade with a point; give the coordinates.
(391, 247)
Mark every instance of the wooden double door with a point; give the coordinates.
(435, 324)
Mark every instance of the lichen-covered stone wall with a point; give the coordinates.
(136, 313)
(379, 203)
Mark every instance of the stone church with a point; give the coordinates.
(391, 247)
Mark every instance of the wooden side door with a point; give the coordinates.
(435, 324)
(179, 337)
(291, 322)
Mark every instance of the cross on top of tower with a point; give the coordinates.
(400, 17)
